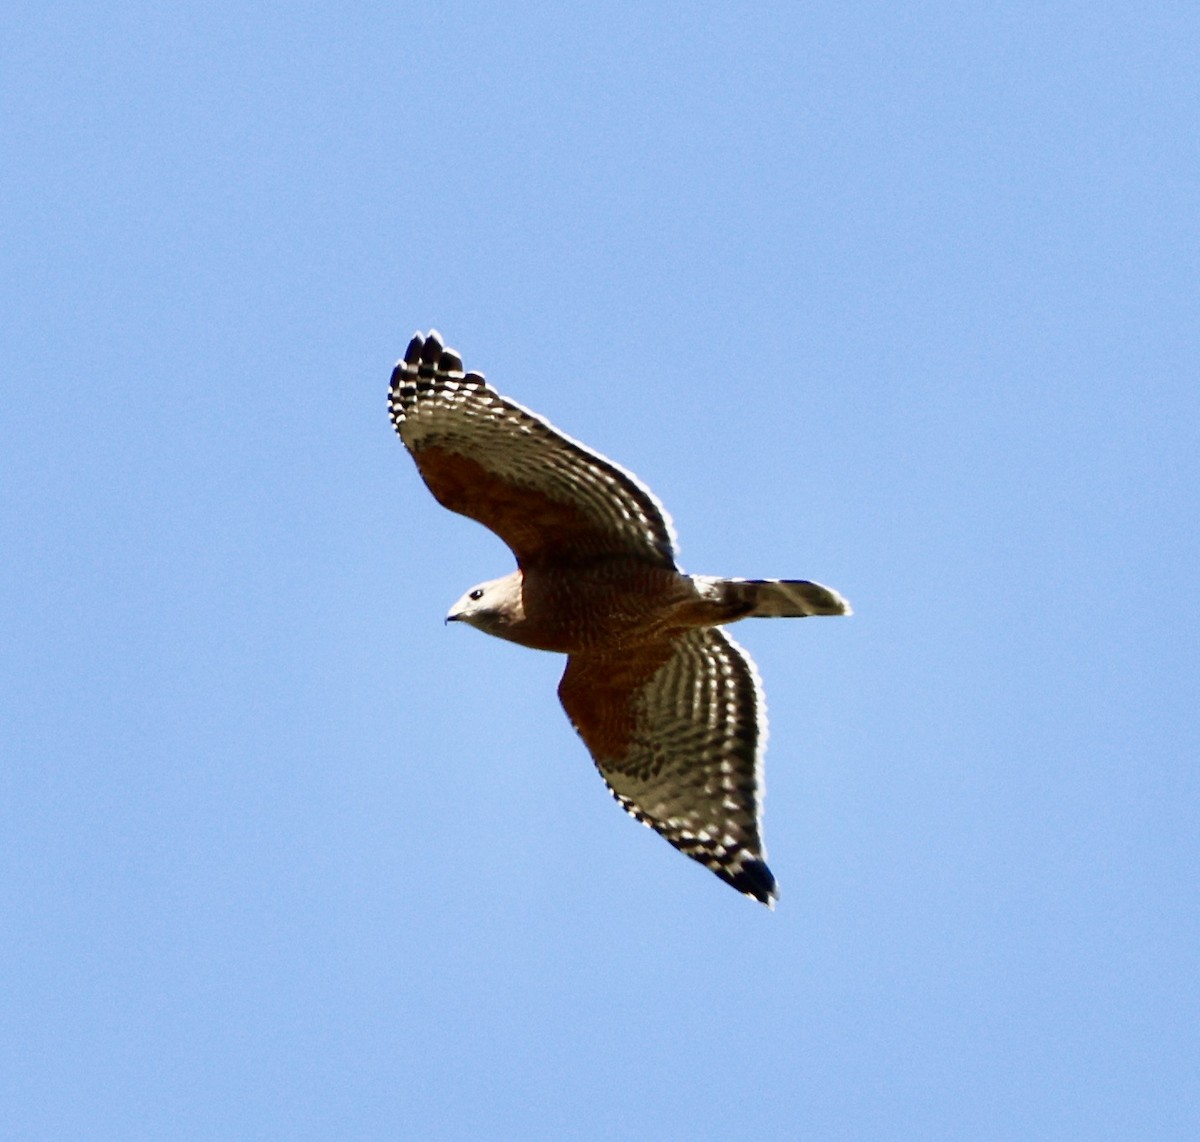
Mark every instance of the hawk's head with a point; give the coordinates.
(494, 607)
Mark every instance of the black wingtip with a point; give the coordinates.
(432, 349)
(426, 349)
(428, 353)
(755, 879)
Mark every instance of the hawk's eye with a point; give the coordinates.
(476, 594)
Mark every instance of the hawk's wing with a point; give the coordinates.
(486, 457)
(677, 730)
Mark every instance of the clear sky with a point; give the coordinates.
(899, 297)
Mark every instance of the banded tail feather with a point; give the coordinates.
(786, 598)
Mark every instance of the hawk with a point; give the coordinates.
(668, 705)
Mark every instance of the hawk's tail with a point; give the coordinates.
(785, 598)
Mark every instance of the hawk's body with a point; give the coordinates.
(669, 705)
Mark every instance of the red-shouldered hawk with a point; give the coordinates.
(669, 706)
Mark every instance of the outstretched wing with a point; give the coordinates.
(547, 496)
(677, 730)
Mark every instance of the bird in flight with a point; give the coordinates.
(668, 705)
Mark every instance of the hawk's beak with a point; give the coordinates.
(453, 617)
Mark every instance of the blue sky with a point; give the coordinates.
(902, 298)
